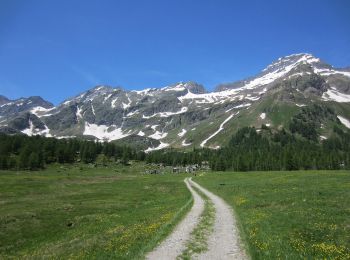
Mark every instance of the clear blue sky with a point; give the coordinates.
(57, 49)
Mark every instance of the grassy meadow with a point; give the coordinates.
(81, 212)
(75, 211)
(289, 215)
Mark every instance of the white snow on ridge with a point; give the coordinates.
(333, 95)
(178, 87)
(200, 98)
(219, 130)
(182, 133)
(299, 74)
(327, 72)
(344, 121)
(103, 132)
(7, 104)
(37, 110)
(263, 115)
(300, 105)
(276, 74)
(143, 92)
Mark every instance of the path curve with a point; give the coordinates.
(224, 242)
(175, 243)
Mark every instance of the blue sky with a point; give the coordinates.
(57, 49)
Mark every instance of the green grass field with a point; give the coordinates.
(289, 215)
(87, 212)
(120, 213)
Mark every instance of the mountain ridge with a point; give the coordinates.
(183, 114)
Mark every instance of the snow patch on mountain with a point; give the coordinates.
(127, 105)
(327, 72)
(132, 113)
(178, 87)
(158, 135)
(333, 95)
(219, 130)
(107, 97)
(263, 116)
(154, 127)
(78, 113)
(104, 132)
(167, 114)
(113, 103)
(182, 133)
(93, 109)
(31, 130)
(144, 91)
(344, 121)
(141, 133)
(184, 143)
(159, 147)
(39, 111)
(243, 105)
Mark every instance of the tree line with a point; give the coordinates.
(280, 150)
(34, 152)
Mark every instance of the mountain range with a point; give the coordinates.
(185, 115)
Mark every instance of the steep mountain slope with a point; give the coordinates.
(185, 115)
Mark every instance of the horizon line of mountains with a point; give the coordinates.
(186, 115)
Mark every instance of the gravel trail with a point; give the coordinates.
(224, 242)
(173, 245)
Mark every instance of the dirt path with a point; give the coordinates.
(224, 242)
(173, 246)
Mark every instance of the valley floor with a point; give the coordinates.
(119, 212)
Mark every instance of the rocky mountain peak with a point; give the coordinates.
(295, 63)
(294, 60)
(39, 101)
(195, 88)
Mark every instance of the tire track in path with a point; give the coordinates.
(175, 243)
(224, 242)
